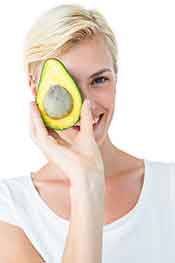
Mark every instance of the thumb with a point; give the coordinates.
(86, 119)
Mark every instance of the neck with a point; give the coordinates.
(109, 155)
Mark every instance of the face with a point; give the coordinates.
(82, 61)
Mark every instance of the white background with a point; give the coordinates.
(143, 122)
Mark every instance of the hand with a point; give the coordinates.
(80, 158)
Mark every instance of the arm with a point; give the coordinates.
(15, 247)
(84, 240)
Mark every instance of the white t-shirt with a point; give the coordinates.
(145, 234)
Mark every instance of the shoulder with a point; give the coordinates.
(160, 176)
(8, 186)
(162, 169)
(9, 196)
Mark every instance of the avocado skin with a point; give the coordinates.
(54, 124)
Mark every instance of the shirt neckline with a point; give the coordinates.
(116, 223)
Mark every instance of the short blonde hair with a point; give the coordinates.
(59, 29)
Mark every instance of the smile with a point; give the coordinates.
(94, 125)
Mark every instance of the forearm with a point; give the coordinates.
(84, 240)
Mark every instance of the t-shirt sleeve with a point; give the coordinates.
(7, 209)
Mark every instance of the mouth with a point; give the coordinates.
(96, 124)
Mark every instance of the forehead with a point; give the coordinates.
(87, 57)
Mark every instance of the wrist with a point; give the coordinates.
(93, 183)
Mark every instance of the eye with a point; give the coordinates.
(100, 80)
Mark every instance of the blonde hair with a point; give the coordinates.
(59, 29)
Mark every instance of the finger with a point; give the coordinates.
(32, 129)
(40, 129)
(86, 120)
(57, 137)
(48, 131)
(48, 145)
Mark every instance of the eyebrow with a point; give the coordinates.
(94, 74)
(99, 72)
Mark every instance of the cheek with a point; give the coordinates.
(106, 97)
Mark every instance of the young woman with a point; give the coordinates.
(91, 202)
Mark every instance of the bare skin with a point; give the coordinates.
(123, 172)
(125, 186)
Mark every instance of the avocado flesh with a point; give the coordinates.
(58, 96)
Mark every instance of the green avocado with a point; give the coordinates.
(58, 96)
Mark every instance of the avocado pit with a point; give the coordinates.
(57, 102)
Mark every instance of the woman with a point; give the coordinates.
(91, 202)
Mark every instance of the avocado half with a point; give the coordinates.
(58, 96)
